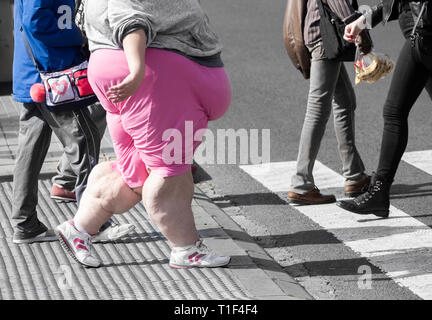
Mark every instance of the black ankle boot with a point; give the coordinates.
(376, 200)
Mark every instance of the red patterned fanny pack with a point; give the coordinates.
(68, 89)
(65, 90)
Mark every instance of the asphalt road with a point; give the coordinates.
(268, 93)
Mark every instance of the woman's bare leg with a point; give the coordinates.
(168, 202)
(106, 194)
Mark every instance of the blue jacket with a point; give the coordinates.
(54, 47)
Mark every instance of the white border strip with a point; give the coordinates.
(420, 159)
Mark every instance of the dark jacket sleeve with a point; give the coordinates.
(41, 21)
(385, 11)
(343, 9)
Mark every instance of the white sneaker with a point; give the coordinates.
(114, 232)
(77, 244)
(196, 256)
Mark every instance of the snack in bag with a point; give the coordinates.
(372, 67)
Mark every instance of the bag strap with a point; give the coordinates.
(414, 30)
(29, 50)
(321, 8)
(79, 14)
(77, 5)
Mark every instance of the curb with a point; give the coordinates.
(263, 277)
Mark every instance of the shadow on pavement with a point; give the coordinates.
(338, 267)
(402, 191)
(200, 175)
(249, 199)
(135, 263)
(140, 238)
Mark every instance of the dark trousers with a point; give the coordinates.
(65, 177)
(409, 79)
(80, 139)
(406, 23)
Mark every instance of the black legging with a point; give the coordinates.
(409, 79)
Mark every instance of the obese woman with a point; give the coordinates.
(156, 68)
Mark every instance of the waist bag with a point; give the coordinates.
(65, 90)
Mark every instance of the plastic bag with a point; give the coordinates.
(372, 67)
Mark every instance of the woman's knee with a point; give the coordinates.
(317, 111)
(107, 187)
(169, 193)
(100, 171)
(346, 100)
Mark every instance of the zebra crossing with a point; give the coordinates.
(400, 246)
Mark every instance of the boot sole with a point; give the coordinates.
(308, 203)
(34, 240)
(353, 194)
(378, 213)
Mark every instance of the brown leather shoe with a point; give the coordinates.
(358, 188)
(311, 197)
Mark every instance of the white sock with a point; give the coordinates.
(80, 229)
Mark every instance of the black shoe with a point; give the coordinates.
(311, 197)
(376, 200)
(41, 234)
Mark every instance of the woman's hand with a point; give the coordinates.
(354, 29)
(128, 87)
(134, 47)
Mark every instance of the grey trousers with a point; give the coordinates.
(65, 177)
(80, 139)
(330, 88)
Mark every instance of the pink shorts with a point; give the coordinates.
(161, 125)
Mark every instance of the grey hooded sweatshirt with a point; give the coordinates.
(176, 25)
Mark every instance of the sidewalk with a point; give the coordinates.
(135, 267)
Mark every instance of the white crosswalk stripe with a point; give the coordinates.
(401, 246)
(419, 159)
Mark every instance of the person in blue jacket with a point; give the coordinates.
(63, 183)
(56, 44)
